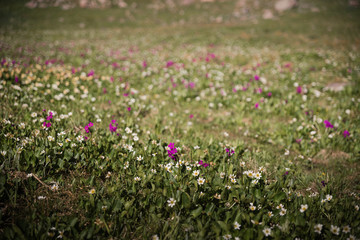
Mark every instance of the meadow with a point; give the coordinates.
(201, 121)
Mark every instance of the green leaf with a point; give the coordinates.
(279, 196)
(223, 225)
(185, 200)
(195, 213)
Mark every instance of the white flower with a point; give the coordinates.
(171, 202)
(139, 158)
(233, 180)
(3, 153)
(318, 228)
(54, 187)
(252, 207)
(351, 237)
(282, 212)
(270, 214)
(287, 152)
(267, 231)
(335, 230)
(346, 229)
(155, 237)
(34, 114)
(222, 175)
(201, 181)
(227, 236)
(242, 164)
(92, 191)
(79, 138)
(137, 179)
(50, 138)
(196, 173)
(237, 226)
(41, 197)
(328, 197)
(303, 207)
(257, 175)
(196, 147)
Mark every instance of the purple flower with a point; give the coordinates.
(169, 63)
(90, 124)
(144, 64)
(256, 105)
(256, 78)
(299, 90)
(172, 151)
(328, 124)
(113, 128)
(129, 109)
(346, 133)
(91, 73)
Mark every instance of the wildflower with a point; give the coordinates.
(257, 175)
(196, 147)
(351, 237)
(242, 164)
(233, 180)
(228, 187)
(267, 231)
(222, 175)
(227, 236)
(237, 226)
(357, 207)
(104, 207)
(108, 175)
(155, 237)
(139, 158)
(303, 207)
(270, 214)
(171, 202)
(318, 228)
(137, 179)
(92, 191)
(60, 144)
(328, 124)
(255, 222)
(41, 197)
(171, 150)
(61, 234)
(50, 138)
(54, 187)
(252, 207)
(196, 173)
(282, 212)
(346, 134)
(34, 114)
(188, 168)
(79, 138)
(3, 153)
(346, 229)
(328, 197)
(335, 230)
(73, 145)
(201, 181)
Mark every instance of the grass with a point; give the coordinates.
(186, 75)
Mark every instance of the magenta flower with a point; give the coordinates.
(16, 79)
(202, 163)
(269, 94)
(256, 78)
(328, 124)
(172, 151)
(191, 116)
(299, 90)
(346, 133)
(256, 105)
(91, 73)
(113, 126)
(90, 124)
(229, 151)
(144, 64)
(169, 63)
(129, 109)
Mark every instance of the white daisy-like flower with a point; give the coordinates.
(328, 197)
(3, 153)
(242, 164)
(257, 175)
(283, 212)
(252, 207)
(237, 226)
(201, 181)
(34, 114)
(188, 168)
(41, 197)
(318, 228)
(196, 147)
(222, 175)
(92, 191)
(171, 202)
(270, 214)
(155, 237)
(335, 229)
(50, 138)
(280, 206)
(346, 229)
(196, 173)
(351, 237)
(79, 138)
(153, 170)
(267, 231)
(228, 187)
(303, 207)
(139, 158)
(137, 179)
(227, 236)
(54, 187)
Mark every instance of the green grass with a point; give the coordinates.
(297, 48)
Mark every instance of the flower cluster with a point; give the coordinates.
(113, 126)
(87, 127)
(48, 118)
(171, 149)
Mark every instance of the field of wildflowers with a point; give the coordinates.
(129, 129)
